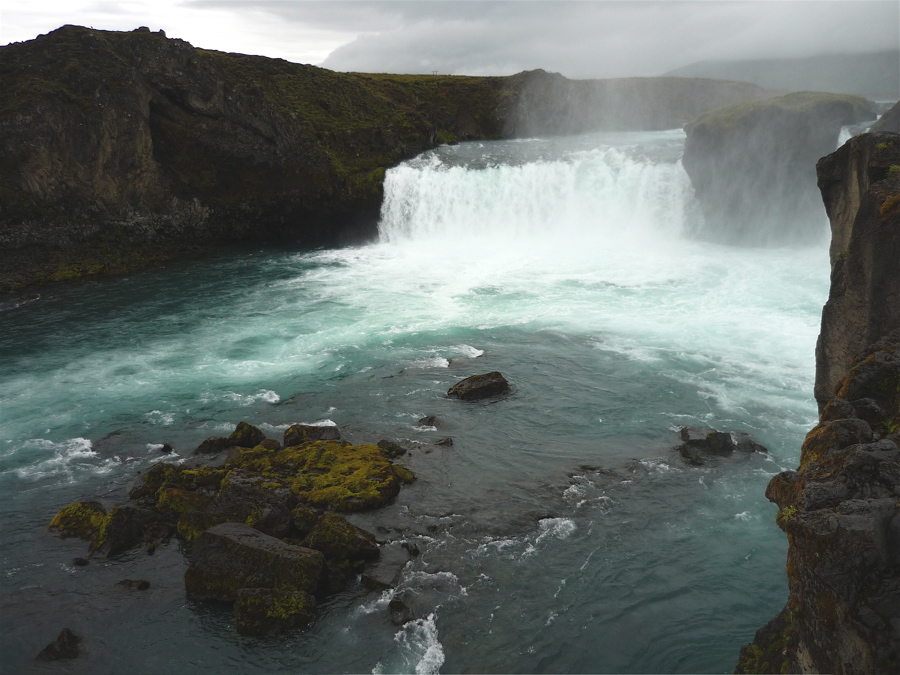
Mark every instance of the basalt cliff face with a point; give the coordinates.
(121, 149)
(751, 165)
(860, 185)
(841, 508)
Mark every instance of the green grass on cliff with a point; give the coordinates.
(801, 103)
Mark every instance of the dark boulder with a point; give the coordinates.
(67, 645)
(263, 611)
(342, 541)
(391, 449)
(254, 500)
(386, 572)
(232, 556)
(446, 442)
(213, 444)
(698, 444)
(478, 387)
(125, 528)
(134, 584)
(429, 421)
(246, 436)
(303, 433)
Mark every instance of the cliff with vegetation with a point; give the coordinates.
(752, 165)
(121, 149)
(841, 508)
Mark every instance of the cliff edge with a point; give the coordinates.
(841, 508)
(860, 185)
(118, 150)
(751, 165)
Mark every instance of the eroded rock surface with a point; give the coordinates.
(841, 513)
(478, 387)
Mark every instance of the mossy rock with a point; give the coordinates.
(327, 474)
(262, 611)
(246, 436)
(403, 474)
(191, 524)
(233, 556)
(81, 519)
(342, 542)
(175, 500)
(298, 434)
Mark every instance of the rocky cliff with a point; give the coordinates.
(860, 185)
(120, 149)
(751, 165)
(841, 508)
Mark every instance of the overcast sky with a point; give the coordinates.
(479, 37)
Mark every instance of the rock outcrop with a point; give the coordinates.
(889, 121)
(841, 513)
(841, 508)
(260, 530)
(860, 185)
(477, 387)
(751, 165)
(119, 150)
(699, 444)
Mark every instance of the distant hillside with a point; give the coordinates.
(875, 75)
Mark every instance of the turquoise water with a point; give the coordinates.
(558, 534)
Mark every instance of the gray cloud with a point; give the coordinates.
(581, 39)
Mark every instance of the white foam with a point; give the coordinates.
(468, 351)
(560, 528)
(64, 460)
(245, 400)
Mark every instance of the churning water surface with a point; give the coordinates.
(559, 533)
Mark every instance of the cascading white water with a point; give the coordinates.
(605, 194)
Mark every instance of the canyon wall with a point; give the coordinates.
(841, 508)
(118, 150)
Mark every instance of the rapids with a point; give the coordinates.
(558, 534)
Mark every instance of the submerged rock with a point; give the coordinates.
(478, 387)
(67, 645)
(233, 556)
(699, 443)
(134, 584)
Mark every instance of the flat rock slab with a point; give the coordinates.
(233, 556)
(479, 386)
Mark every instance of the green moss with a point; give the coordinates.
(327, 474)
(404, 474)
(894, 170)
(81, 519)
(177, 500)
(285, 605)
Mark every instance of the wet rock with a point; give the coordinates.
(213, 444)
(246, 436)
(270, 444)
(429, 421)
(166, 449)
(446, 442)
(386, 572)
(233, 556)
(134, 584)
(81, 519)
(67, 645)
(700, 443)
(391, 449)
(478, 387)
(263, 611)
(411, 547)
(304, 433)
(256, 501)
(401, 608)
(342, 541)
(124, 529)
(81, 562)
(304, 520)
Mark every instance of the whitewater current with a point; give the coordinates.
(559, 532)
